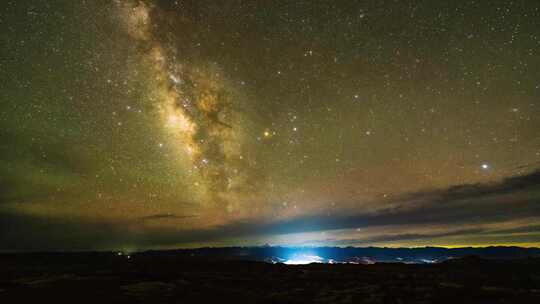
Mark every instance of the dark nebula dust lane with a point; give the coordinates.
(138, 124)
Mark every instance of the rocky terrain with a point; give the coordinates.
(143, 278)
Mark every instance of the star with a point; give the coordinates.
(156, 113)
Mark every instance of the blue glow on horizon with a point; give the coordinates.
(303, 256)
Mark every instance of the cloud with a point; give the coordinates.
(162, 216)
(513, 199)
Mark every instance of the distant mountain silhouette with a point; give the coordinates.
(365, 255)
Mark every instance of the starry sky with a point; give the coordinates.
(136, 124)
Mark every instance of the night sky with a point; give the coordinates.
(134, 124)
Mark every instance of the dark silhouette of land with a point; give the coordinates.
(499, 275)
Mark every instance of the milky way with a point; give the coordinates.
(198, 108)
(157, 124)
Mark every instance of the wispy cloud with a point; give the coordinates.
(164, 216)
(465, 210)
